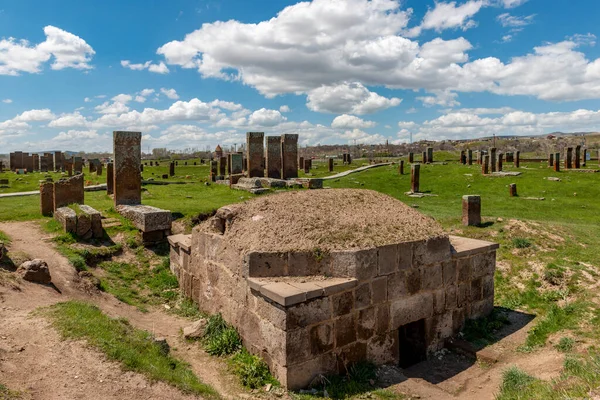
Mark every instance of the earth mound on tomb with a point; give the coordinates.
(332, 219)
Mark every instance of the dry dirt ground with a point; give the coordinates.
(35, 360)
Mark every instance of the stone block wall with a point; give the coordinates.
(322, 325)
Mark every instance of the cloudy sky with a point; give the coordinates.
(194, 73)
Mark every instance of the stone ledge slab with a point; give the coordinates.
(463, 247)
(290, 292)
(182, 241)
(147, 218)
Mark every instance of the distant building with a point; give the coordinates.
(219, 151)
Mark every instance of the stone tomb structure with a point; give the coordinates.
(154, 223)
(313, 302)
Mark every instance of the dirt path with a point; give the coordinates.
(33, 357)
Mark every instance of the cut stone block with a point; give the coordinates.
(67, 218)
(95, 220)
(147, 218)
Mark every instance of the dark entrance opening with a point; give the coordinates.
(412, 344)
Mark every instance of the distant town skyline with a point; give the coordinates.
(203, 72)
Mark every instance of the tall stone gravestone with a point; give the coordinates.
(289, 155)
(255, 152)
(274, 157)
(127, 182)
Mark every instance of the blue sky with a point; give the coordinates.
(194, 73)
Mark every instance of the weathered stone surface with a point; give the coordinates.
(195, 330)
(127, 158)
(35, 271)
(255, 153)
(110, 179)
(84, 225)
(67, 218)
(47, 198)
(147, 218)
(471, 210)
(414, 177)
(289, 156)
(274, 157)
(68, 191)
(95, 220)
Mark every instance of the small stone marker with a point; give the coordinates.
(330, 161)
(551, 160)
(471, 210)
(301, 161)
(424, 157)
(484, 165)
(401, 167)
(172, 168)
(414, 177)
(512, 189)
(517, 159)
(411, 157)
(578, 157)
(470, 157)
(500, 162)
(307, 165)
(430, 155)
(222, 166)
(213, 171)
(557, 162)
(463, 157)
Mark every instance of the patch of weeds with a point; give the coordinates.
(554, 274)
(138, 285)
(7, 394)
(556, 319)
(514, 383)
(252, 370)
(4, 238)
(357, 381)
(133, 242)
(319, 254)
(481, 331)
(134, 348)
(186, 308)
(521, 243)
(565, 344)
(220, 338)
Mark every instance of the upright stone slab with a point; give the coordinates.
(214, 170)
(492, 159)
(68, 191)
(289, 155)
(50, 161)
(470, 157)
(349, 159)
(127, 158)
(401, 167)
(345, 156)
(99, 169)
(301, 162)
(512, 190)
(58, 161)
(78, 165)
(44, 164)
(517, 159)
(500, 162)
(222, 166)
(69, 167)
(430, 154)
(255, 151)
(415, 170)
(330, 164)
(411, 158)
(307, 165)
(480, 157)
(551, 160)
(110, 180)
(47, 198)
(424, 157)
(485, 165)
(463, 157)
(236, 163)
(569, 158)
(471, 210)
(557, 162)
(584, 157)
(274, 157)
(578, 157)
(172, 168)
